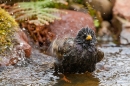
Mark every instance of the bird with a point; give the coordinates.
(76, 54)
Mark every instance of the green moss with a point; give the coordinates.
(7, 25)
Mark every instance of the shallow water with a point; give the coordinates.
(113, 70)
(86, 79)
(117, 63)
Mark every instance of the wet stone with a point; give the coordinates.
(35, 71)
(119, 62)
(113, 70)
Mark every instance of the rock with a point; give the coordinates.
(116, 30)
(113, 2)
(14, 43)
(104, 30)
(23, 42)
(20, 50)
(121, 17)
(12, 61)
(125, 34)
(120, 21)
(121, 8)
(104, 6)
(104, 33)
(71, 23)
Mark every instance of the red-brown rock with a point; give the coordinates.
(20, 50)
(12, 61)
(23, 42)
(71, 23)
(122, 8)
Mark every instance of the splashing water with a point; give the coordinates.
(12, 53)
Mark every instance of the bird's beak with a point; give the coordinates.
(89, 37)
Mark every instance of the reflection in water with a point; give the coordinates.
(86, 79)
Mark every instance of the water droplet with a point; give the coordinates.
(21, 44)
(23, 29)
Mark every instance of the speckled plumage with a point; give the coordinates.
(76, 55)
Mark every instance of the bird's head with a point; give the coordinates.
(85, 37)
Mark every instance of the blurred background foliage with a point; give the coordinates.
(42, 12)
(78, 5)
(35, 12)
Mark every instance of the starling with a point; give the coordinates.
(76, 55)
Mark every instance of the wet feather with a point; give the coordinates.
(76, 55)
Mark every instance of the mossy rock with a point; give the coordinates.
(8, 26)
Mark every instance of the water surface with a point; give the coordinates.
(113, 70)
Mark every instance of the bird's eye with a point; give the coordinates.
(85, 33)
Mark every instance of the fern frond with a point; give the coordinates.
(46, 18)
(37, 22)
(25, 17)
(47, 3)
(34, 11)
(34, 15)
(50, 3)
(53, 17)
(52, 10)
(43, 21)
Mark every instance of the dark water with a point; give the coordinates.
(86, 79)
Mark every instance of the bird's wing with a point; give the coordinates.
(99, 55)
